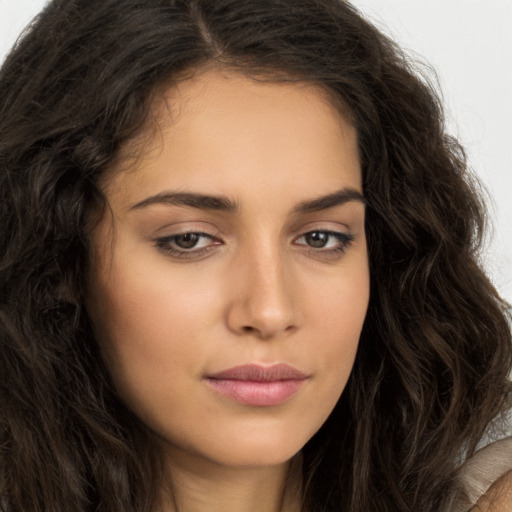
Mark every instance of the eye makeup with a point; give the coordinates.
(195, 245)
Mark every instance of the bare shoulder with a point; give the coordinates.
(498, 498)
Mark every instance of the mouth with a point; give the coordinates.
(257, 385)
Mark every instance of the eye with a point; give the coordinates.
(189, 240)
(187, 245)
(325, 243)
(317, 239)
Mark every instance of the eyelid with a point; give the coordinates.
(180, 228)
(165, 245)
(322, 225)
(168, 244)
(340, 235)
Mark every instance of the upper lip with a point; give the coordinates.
(259, 373)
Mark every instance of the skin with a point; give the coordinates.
(498, 497)
(255, 288)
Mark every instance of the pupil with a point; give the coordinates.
(187, 241)
(317, 239)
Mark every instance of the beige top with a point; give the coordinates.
(473, 480)
(479, 472)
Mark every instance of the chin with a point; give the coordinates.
(249, 449)
(251, 455)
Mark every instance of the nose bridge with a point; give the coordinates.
(264, 300)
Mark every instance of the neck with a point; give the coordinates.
(196, 485)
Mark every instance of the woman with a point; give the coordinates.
(239, 268)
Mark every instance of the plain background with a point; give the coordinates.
(469, 44)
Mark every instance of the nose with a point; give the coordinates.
(263, 302)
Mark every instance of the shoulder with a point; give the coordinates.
(498, 498)
(485, 480)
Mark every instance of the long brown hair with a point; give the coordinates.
(431, 372)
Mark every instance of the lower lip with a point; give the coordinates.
(257, 393)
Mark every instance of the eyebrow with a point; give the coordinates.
(345, 195)
(224, 204)
(201, 201)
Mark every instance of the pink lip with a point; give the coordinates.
(258, 385)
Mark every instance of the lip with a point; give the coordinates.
(258, 385)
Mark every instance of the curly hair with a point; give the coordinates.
(431, 373)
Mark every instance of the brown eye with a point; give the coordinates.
(325, 244)
(187, 240)
(191, 245)
(317, 239)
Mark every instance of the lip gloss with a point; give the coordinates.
(257, 385)
(257, 393)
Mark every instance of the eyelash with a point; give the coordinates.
(165, 245)
(344, 240)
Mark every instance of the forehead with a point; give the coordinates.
(223, 130)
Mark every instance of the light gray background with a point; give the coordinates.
(469, 43)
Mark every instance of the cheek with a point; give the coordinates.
(151, 326)
(159, 328)
(338, 315)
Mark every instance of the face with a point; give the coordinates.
(229, 282)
